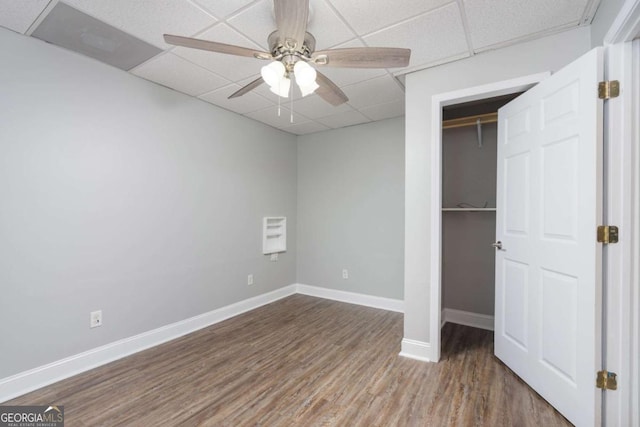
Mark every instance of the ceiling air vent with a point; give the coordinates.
(67, 27)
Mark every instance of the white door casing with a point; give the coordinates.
(548, 273)
(476, 93)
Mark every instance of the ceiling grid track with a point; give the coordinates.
(465, 25)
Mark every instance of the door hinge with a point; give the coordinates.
(607, 234)
(608, 89)
(606, 380)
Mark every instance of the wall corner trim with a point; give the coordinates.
(416, 350)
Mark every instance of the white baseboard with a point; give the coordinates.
(476, 320)
(383, 303)
(417, 350)
(33, 379)
(422, 351)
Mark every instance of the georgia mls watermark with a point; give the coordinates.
(31, 416)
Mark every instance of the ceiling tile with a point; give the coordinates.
(149, 19)
(313, 106)
(231, 67)
(222, 9)
(380, 90)
(327, 27)
(242, 104)
(172, 71)
(304, 128)
(370, 15)
(431, 37)
(19, 15)
(505, 20)
(256, 22)
(270, 116)
(384, 111)
(348, 76)
(339, 120)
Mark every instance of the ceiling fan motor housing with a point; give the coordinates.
(280, 48)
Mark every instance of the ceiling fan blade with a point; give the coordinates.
(291, 19)
(215, 47)
(363, 57)
(329, 91)
(254, 84)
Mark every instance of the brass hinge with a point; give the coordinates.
(607, 234)
(606, 380)
(608, 89)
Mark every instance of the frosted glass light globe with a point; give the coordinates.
(305, 74)
(281, 88)
(272, 73)
(308, 89)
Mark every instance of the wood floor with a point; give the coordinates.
(302, 361)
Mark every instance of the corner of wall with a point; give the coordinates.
(416, 350)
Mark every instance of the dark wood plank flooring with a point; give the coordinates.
(302, 361)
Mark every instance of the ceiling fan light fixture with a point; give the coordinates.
(308, 89)
(305, 74)
(292, 50)
(281, 88)
(273, 73)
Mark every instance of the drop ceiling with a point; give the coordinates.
(436, 31)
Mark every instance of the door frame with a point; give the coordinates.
(439, 101)
(634, 399)
(622, 208)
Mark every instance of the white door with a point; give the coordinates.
(548, 272)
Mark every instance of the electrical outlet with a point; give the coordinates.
(345, 273)
(95, 319)
(274, 257)
(250, 279)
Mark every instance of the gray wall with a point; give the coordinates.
(605, 15)
(350, 208)
(118, 194)
(468, 260)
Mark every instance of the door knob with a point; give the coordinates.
(497, 245)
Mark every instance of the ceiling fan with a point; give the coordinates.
(292, 49)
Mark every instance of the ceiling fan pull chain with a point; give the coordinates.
(291, 118)
(278, 104)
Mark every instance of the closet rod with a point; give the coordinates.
(470, 121)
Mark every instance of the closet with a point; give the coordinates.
(469, 141)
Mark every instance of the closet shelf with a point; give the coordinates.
(468, 209)
(470, 121)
